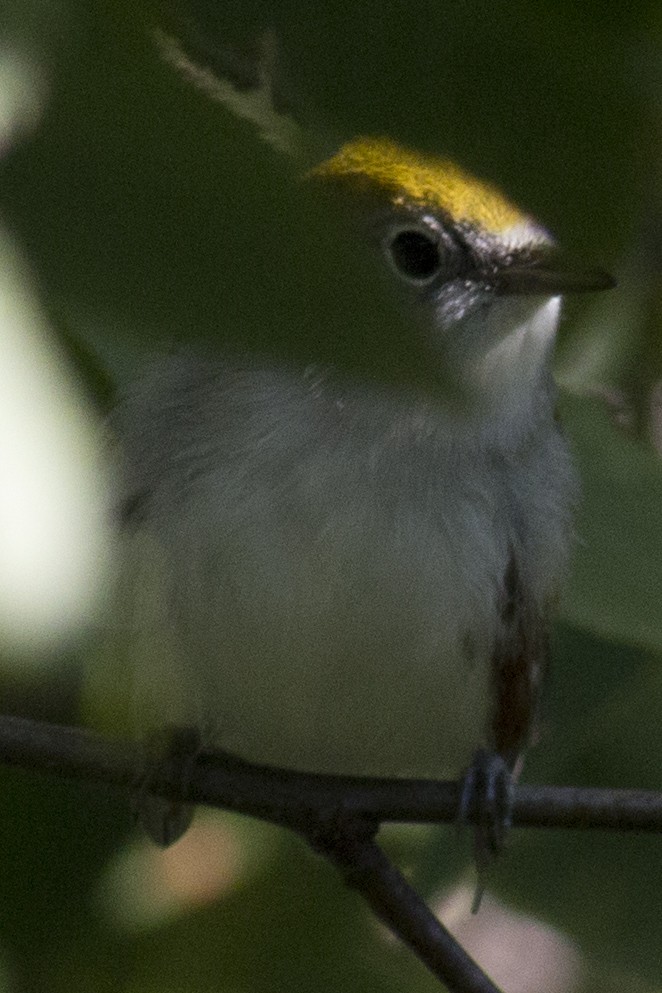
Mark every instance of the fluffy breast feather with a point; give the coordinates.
(330, 564)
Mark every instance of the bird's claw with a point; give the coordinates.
(165, 820)
(486, 801)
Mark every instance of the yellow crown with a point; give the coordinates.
(421, 180)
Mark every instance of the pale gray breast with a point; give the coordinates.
(330, 565)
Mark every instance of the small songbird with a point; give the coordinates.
(339, 574)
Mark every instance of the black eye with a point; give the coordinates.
(415, 254)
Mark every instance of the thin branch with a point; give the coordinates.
(337, 815)
(313, 806)
(348, 844)
(283, 796)
(406, 914)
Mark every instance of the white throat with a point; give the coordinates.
(508, 380)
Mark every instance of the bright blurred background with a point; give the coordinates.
(134, 217)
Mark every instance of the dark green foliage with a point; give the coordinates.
(152, 218)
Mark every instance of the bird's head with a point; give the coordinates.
(477, 281)
(481, 278)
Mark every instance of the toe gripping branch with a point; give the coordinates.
(486, 801)
(166, 820)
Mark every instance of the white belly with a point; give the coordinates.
(354, 647)
(322, 597)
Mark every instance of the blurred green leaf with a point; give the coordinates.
(152, 220)
(615, 588)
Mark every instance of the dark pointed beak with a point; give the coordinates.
(549, 277)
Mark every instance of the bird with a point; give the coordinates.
(334, 572)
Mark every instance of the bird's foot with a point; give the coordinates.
(175, 749)
(486, 801)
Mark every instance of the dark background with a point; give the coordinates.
(151, 218)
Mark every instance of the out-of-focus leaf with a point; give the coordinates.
(153, 221)
(615, 588)
(55, 547)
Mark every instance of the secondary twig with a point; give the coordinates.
(349, 844)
